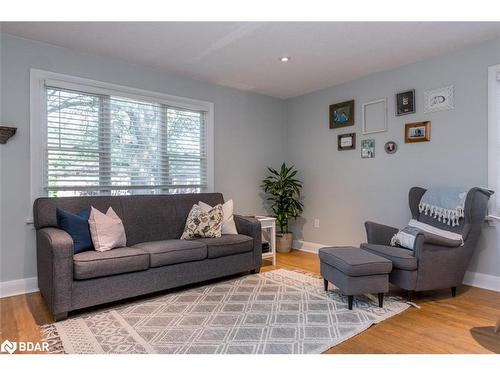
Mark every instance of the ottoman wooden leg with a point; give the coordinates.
(381, 300)
(349, 300)
(325, 281)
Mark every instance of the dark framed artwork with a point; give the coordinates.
(346, 141)
(418, 132)
(342, 114)
(405, 102)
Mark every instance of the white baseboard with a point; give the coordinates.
(30, 285)
(482, 280)
(20, 286)
(308, 247)
(479, 280)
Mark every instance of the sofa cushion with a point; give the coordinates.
(400, 258)
(227, 244)
(162, 253)
(91, 264)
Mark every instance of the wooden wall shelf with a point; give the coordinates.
(5, 133)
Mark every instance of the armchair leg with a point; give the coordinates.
(254, 271)
(325, 281)
(453, 291)
(409, 295)
(350, 299)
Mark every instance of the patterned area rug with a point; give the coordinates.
(272, 312)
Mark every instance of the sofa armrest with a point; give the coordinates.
(379, 234)
(55, 268)
(250, 226)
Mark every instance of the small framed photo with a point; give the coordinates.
(367, 148)
(405, 102)
(441, 99)
(346, 141)
(391, 147)
(418, 132)
(342, 114)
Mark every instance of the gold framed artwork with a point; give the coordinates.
(418, 132)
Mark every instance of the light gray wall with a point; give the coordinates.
(248, 135)
(343, 190)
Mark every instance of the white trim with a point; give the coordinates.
(308, 247)
(482, 280)
(20, 286)
(492, 136)
(38, 79)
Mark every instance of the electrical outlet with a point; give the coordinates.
(316, 223)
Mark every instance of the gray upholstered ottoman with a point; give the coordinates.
(355, 271)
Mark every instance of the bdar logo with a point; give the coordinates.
(8, 347)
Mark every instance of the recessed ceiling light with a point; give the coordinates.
(284, 59)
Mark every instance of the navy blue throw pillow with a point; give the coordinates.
(77, 227)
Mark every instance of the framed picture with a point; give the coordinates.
(342, 114)
(368, 148)
(375, 116)
(405, 103)
(391, 147)
(418, 132)
(439, 99)
(346, 141)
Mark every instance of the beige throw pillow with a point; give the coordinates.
(201, 224)
(228, 224)
(107, 230)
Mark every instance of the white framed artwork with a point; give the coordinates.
(374, 115)
(441, 99)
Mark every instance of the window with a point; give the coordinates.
(494, 137)
(107, 140)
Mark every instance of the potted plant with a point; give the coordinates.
(284, 194)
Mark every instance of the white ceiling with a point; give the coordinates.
(245, 55)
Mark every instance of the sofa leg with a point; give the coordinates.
(325, 282)
(453, 291)
(60, 316)
(381, 300)
(409, 295)
(349, 301)
(256, 270)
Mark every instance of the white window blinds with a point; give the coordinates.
(104, 144)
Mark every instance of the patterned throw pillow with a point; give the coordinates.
(203, 224)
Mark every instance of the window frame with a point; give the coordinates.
(39, 79)
(493, 130)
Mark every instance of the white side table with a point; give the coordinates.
(269, 224)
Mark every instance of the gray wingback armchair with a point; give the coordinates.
(431, 266)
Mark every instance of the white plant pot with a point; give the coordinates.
(284, 242)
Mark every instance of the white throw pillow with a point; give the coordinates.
(228, 224)
(107, 231)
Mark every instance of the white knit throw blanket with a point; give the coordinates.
(446, 205)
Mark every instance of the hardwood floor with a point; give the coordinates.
(443, 324)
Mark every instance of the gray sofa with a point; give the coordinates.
(431, 266)
(155, 258)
